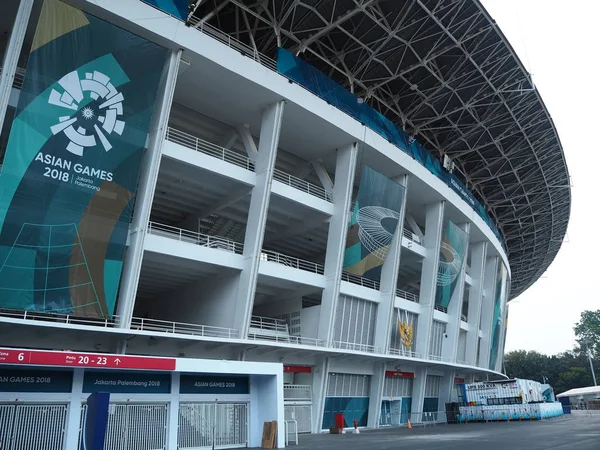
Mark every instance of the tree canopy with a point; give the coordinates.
(566, 370)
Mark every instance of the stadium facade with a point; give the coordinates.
(352, 189)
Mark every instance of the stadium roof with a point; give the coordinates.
(443, 71)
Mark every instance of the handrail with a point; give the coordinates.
(144, 324)
(233, 43)
(59, 318)
(287, 339)
(200, 145)
(355, 279)
(356, 347)
(302, 185)
(464, 318)
(407, 296)
(193, 237)
(268, 323)
(290, 261)
(441, 308)
(465, 363)
(403, 352)
(411, 236)
(440, 358)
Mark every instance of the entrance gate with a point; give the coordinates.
(32, 426)
(134, 426)
(202, 424)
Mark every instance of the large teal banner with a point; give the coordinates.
(374, 222)
(175, 8)
(453, 253)
(70, 174)
(498, 313)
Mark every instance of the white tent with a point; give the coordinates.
(585, 393)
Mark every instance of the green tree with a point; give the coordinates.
(587, 332)
(527, 365)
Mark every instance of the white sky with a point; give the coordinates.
(559, 41)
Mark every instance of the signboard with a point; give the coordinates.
(393, 373)
(32, 380)
(297, 369)
(127, 382)
(74, 359)
(69, 177)
(214, 384)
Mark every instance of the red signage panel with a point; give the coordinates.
(459, 381)
(74, 359)
(394, 373)
(297, 369)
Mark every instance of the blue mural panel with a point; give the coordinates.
(353, 408)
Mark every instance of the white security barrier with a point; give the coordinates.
(134, 426)
(27, 427)
(203, 424)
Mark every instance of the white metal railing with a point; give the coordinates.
(58, 318)
(208, 148)
(465, 363)
(290, 261)
(468, 269)
(403, 352)
(286, 339)
(193, 237)
(19, 77)
(356, 347)
(143, 324)
(297, 392)
(233, 43)
(407, 296)
(270, 324)
(439, 358)
(355, 279)
(464, 318)
(302, 185)
(441, 308)
(411, 236)
(291, 432)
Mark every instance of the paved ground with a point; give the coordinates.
(568, 432)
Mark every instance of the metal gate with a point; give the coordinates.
(134, 426)
(26, 427)
(302, 414)
(202, 424)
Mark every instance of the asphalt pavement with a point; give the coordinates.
(562, 433)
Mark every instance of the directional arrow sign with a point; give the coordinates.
(74, 359)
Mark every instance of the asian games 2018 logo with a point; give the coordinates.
(93, 120)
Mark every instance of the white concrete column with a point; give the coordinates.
(478, 255)
(487, 309)
(503, 329)
(11, 56)
(434, 224)
(375, 395)
(74, 413)
(145, 190)
(446, 387)
(173, 417)
(336, 239)
(389, 281)
(450, 342)
(418, 394)
(319, 391)
(257, 215)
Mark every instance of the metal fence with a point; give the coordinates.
(417, 419)
(302, 414)
(224, 425)
(192, 237)
(290, 261)
(32, 427)
(208, 148)
(134, 426)
(302, 185)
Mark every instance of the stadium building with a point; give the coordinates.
(352, 190)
